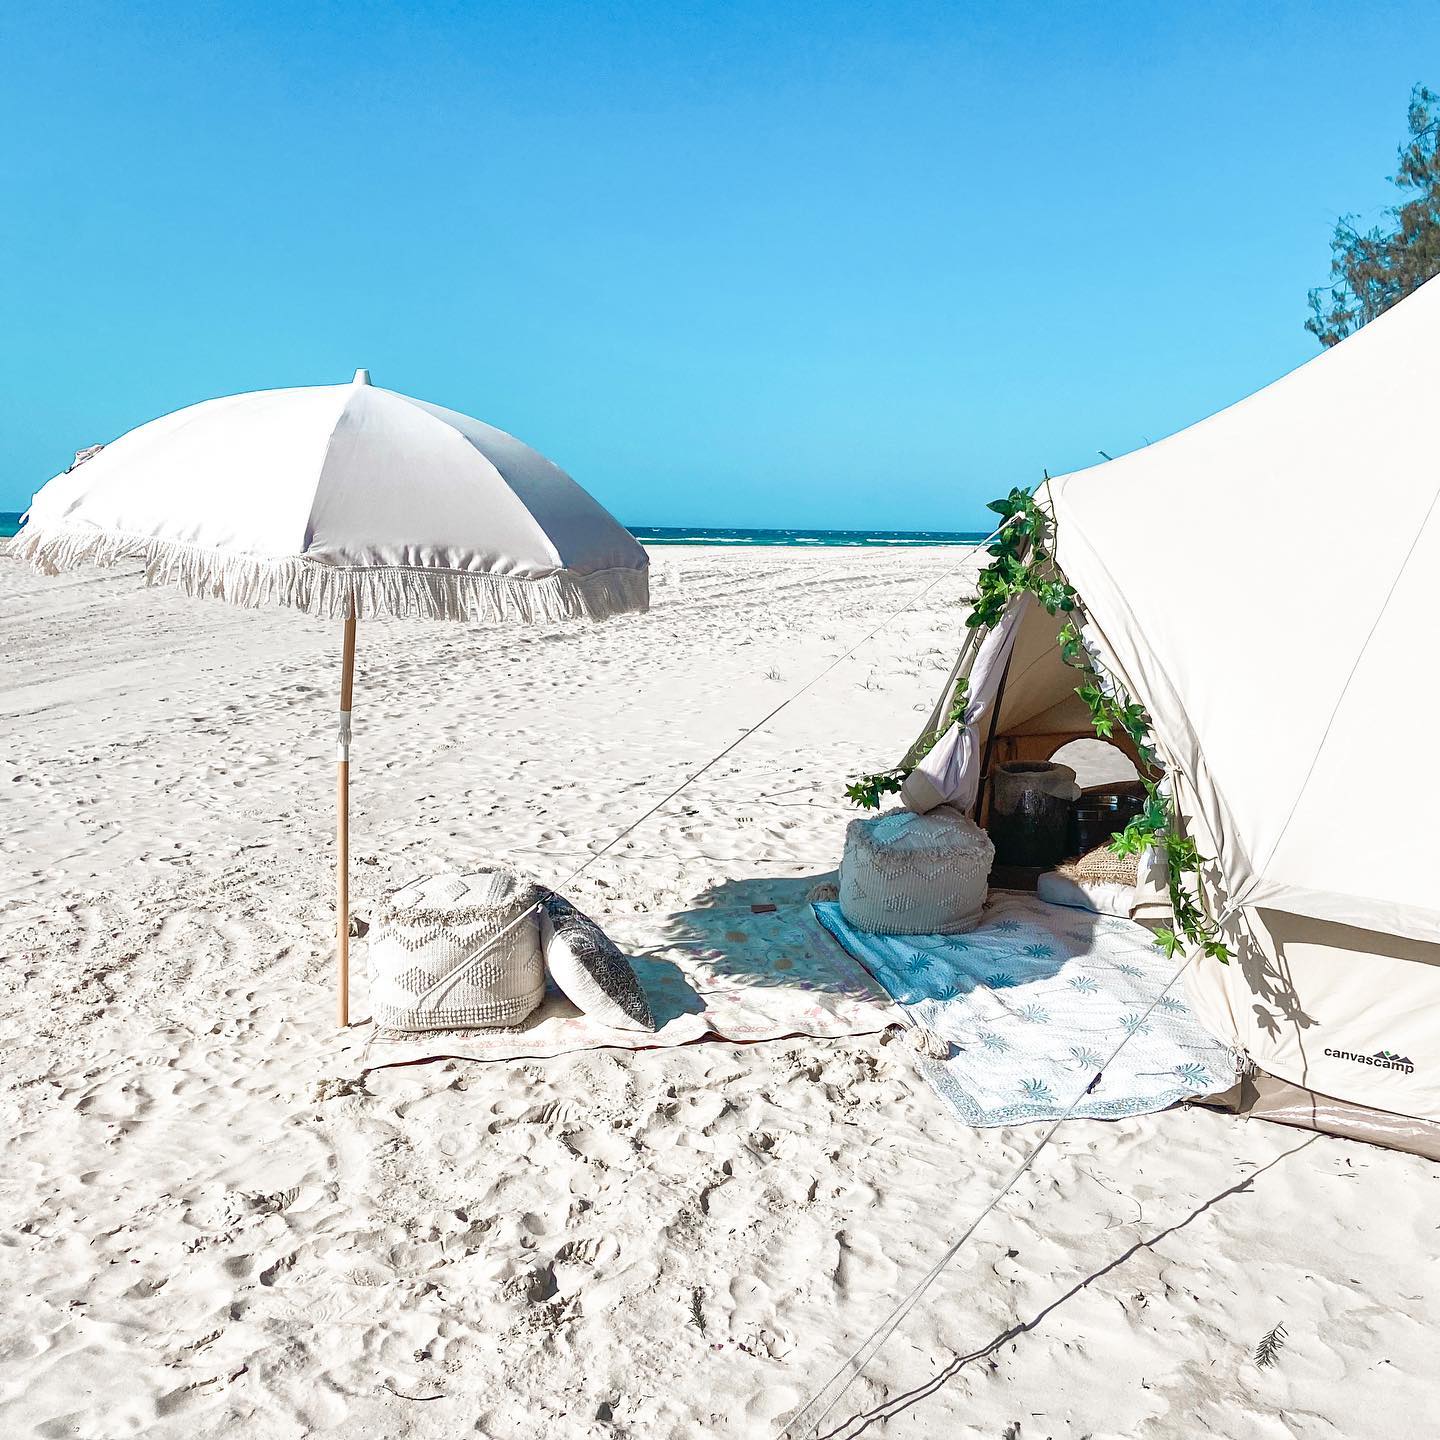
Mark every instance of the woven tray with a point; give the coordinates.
(1101, 865)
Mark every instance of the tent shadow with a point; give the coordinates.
(862, 1422)
(779, 890)
(764, 948)
(668, 991)
(779, 944)
(992, 957)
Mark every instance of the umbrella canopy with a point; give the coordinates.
(342, 500)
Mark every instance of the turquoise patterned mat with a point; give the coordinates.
(1034, 1001)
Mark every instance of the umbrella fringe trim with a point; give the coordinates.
(331, 590)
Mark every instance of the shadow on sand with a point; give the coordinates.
(774, 945)
(780, 944)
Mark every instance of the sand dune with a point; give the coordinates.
(213, 1227)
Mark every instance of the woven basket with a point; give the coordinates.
(1101, 865)
(907, 874)
(429, 969)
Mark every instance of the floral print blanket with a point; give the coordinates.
(1033, 1003)
(726, 972)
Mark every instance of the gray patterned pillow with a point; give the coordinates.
(588, 966)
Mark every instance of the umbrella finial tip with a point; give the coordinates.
(362, 377)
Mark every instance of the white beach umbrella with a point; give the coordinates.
(348, 501)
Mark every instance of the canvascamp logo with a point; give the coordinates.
(1385, 1059)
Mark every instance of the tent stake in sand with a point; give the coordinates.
(342, 823)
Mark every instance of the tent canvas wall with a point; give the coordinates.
(1259, 583)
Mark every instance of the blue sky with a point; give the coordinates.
(762, 264)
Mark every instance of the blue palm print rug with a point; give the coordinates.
(1034, 1001)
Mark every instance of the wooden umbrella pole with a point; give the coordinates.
(342, 823)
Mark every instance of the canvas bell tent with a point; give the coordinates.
(1260, 583)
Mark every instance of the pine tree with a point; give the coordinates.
(1370, 270)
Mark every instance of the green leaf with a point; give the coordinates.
(867, 791)
(1072, 648)
(1167, 940)
(1016, 502)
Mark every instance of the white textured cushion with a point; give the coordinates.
(907, 874)
(1103, 897)
(429, 965)
(588, 966)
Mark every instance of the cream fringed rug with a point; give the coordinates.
(728, 973)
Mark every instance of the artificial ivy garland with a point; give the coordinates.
(1023, 563)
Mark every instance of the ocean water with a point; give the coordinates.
(649, 535)
(652, 535)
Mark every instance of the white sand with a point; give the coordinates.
(210, 1231)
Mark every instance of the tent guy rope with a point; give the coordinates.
(805, 1424)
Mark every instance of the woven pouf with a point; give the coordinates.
(908, 874)
(427, 971)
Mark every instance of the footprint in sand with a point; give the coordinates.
(861, 1267)
(600, 1147)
